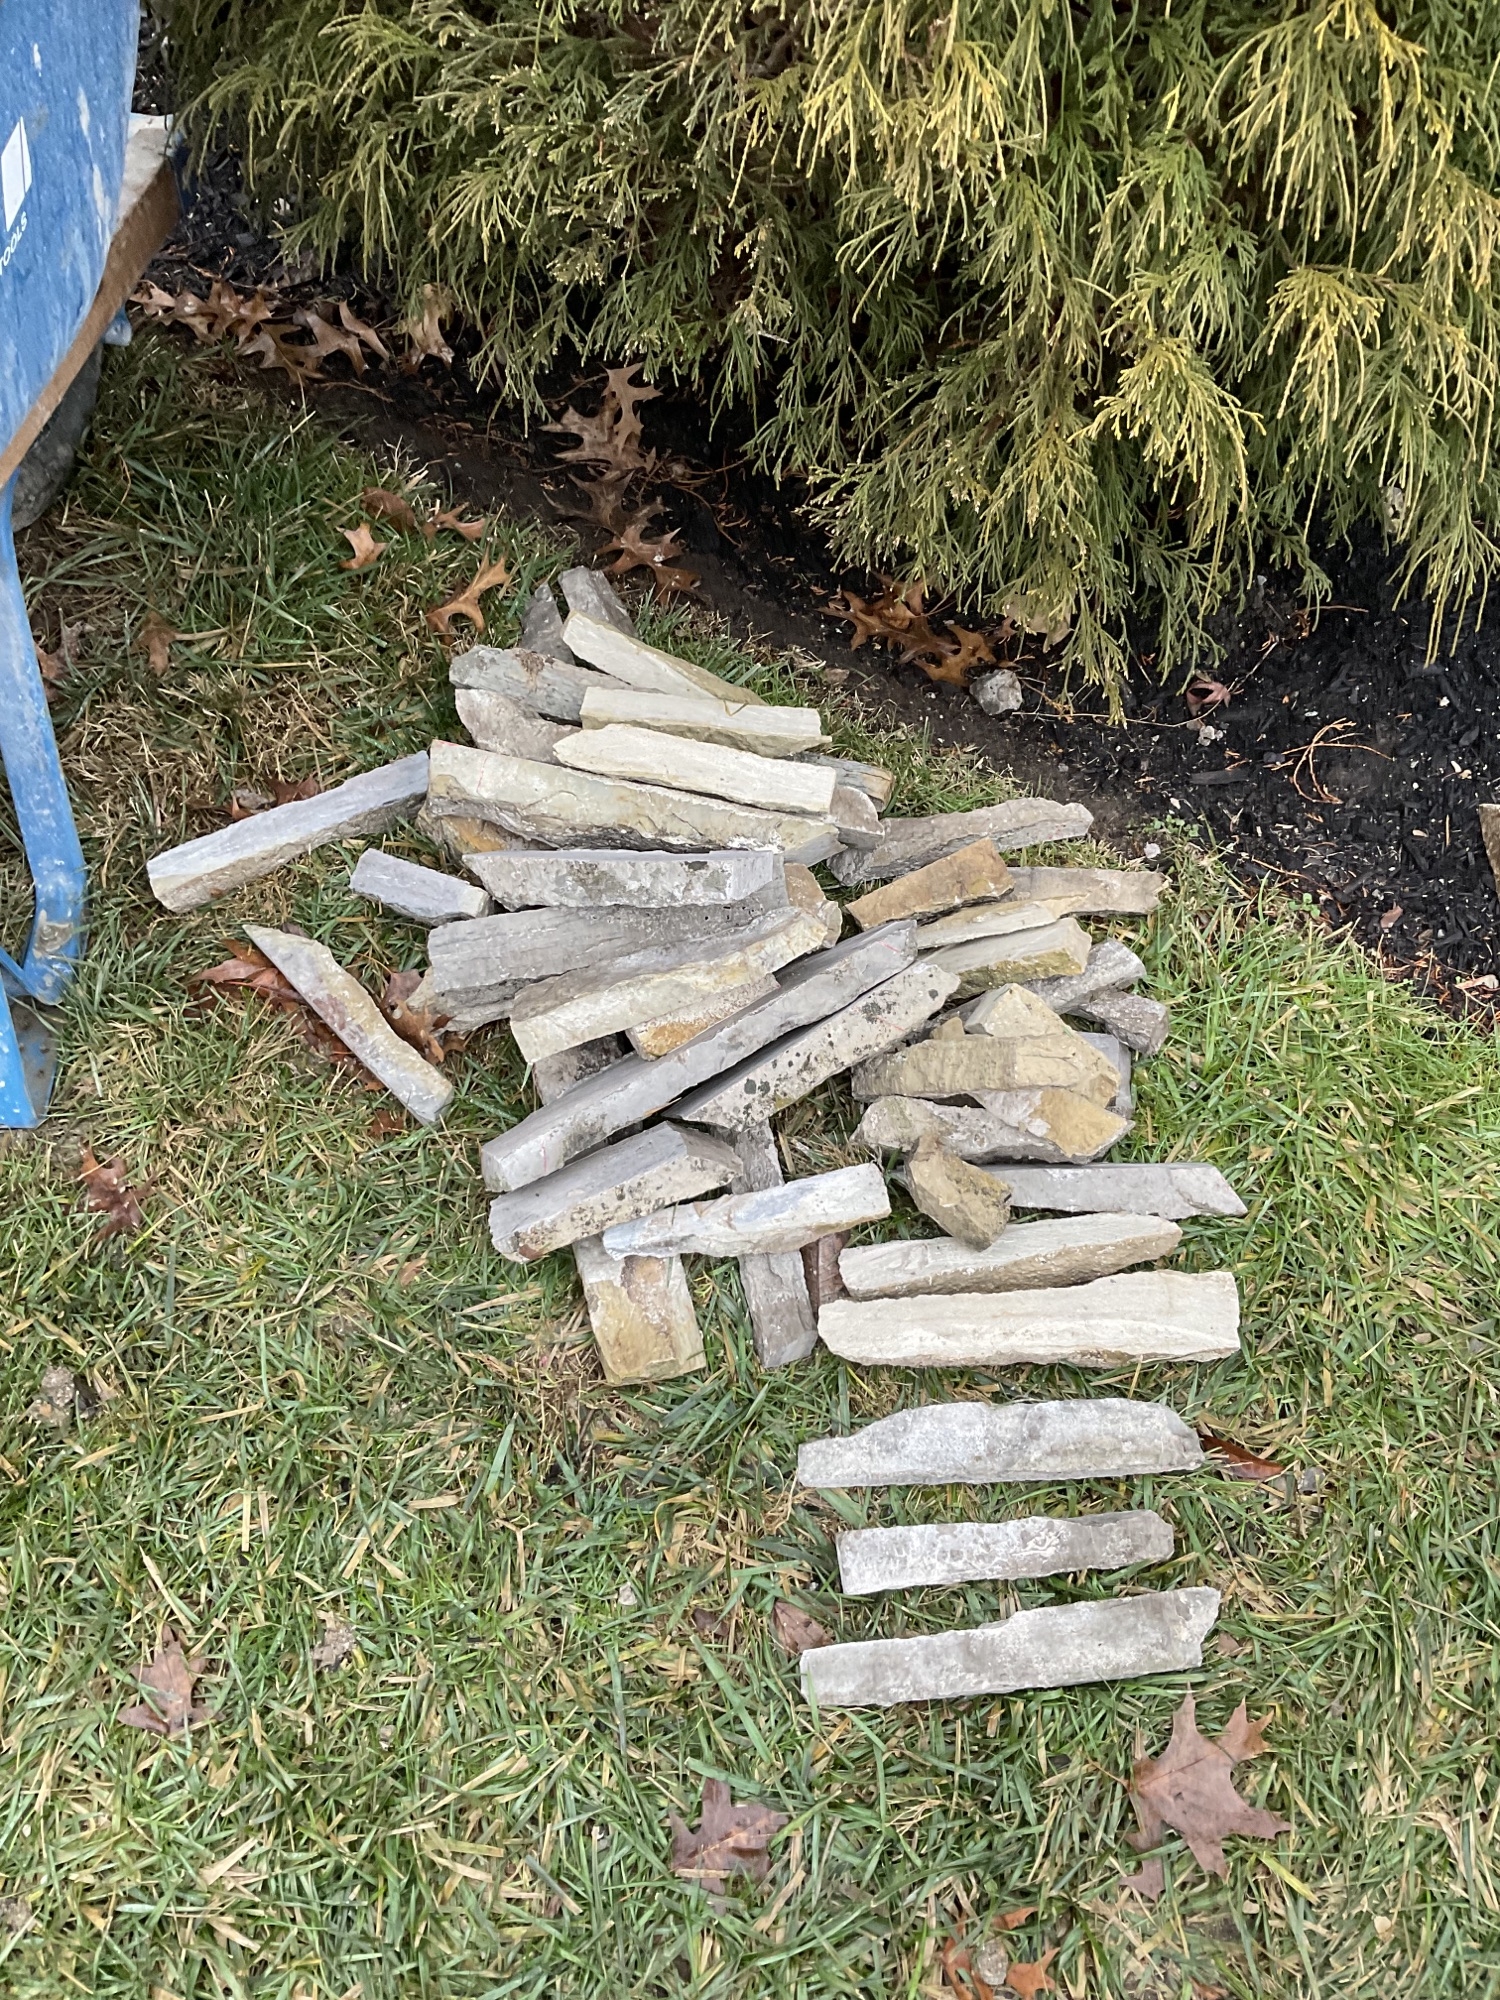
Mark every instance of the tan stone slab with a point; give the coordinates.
(1090, 892)
(669, 1031)
(972, 874)
(961, 1199)
(1054, 951)
(638, 665)
(805, 892)
(759, 727)
(1055, 1126)
(873, 780)
(459, 837)
(1068, 1250)
(633, 1177)
(641, 1312)
(773, 784)
(967, 1065)
(912, 843)
(497, 723)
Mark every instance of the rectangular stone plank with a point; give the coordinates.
(591, 594)
(652, 1170)
(759, 727)
(1175, 1191)
(554, 1076)
(987, 920)
(1062, 1645)
(577, 1007)
(535, 682)
(337, 997)
(780, 1075)
(665, 1032)
(629, 659)
(976, 1444)
(426, 895)
(913, 843)
(460, 838)
(783, 1322)
(873, 780)
(1067, 1251)
(760, 1222)
(597, 878)
(1090, 892)
(773, 784)
(973, 874)
(641, 1313)
(558, 808)
(185, 877)
(950, 1552)
(1142, 1023)
(1167, 1316)
(541, 628)
(961, 1067)
(497, 723)
(1110, 964)
(1056, 950)
(1056, 1126)
(638, 1088)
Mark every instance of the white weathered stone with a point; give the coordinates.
(759, 727)
(873, 780)
(783, 1324)
(1118, 1056)
(997, 693)
(535, 682)
(1177, 1190)
(1068, 1251)
(1107, 1323)
(972, 874)
(774, 784)
(637, 1089)
(963, 1200)
(912, 843)
(184, 877)
(633, 1177)
(665, 1032)
(1053, 1125)
(1090, 892)
(855, 815)
(761, 1222)
(1062, 1645)
(541, 628)
(638, 665)
(424, 894)
(641, 1313)
(603, 1000)
(597, 878)
(987, 920)
(337, 998)
(950, 1552)
(558, 808)
(1053, 950)
(497, 723)
(964, 1066)
(974, 1444)
(591, 594)
(778, 1077)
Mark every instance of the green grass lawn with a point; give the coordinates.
(324, 1397)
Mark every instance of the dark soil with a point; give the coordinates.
(1343, 763)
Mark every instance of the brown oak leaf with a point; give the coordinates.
(612, 436)
(417, 1025)
(1190, 1788)
(386, 1122)
(637, 550)
(1237, 1461)
(366, 549)
(492, 576)
(355, 325)
(794, 1631)
(728, 1840)
(958, 662)
(1029, 1977)
(154, 639)
(388, 506)
(424, 330)
(106, 1188)
(274, 347)
(168, 1680)
(330, 339)
(250, 971)
(454, 518)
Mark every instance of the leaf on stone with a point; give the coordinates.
(366, 549)
(168, 1681)
(417, 1025)
(491, 576)
(1029, 1977)
(154, 639)
(454, 518)
(424, 329)
(1190, 1788)
(728, 1840)
(794, 1631)
(335, 1646)
(106, 1189)
(388, 506)
(1237, 1461)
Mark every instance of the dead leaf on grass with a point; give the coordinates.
(245, 801)
(56, 1398)
(387, 1122)
(106, 1189)
(366, 549)
(1190, 1788)
(417, 1025)
(154, 639)
(728, 1840)
(794, 1631)
(335, 1646)
(168, 1680)
(492, 576)
(1237, 1461)
(454, 518)
(250, 971)
(1029, 1978)
(388, 506)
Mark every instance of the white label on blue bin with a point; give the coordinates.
(15, 173)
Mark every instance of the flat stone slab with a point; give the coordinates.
(1167, 1316)
(972, 874)
(534, 681)
(805, 892)
(633, 1177)
(856, 816)
(1119, 1056)
(665, 1032)
(598, 878)
(759, 727)
(779, 1076)
(761, 1222)
(774, 784)
(636, 1089)
(1090, 892)
(459, 837)
(560, 808)
(641, 1312)
(554, 1076)
(1140, 1022)
(541, 628)
(591, 594)
(426, 895)
(960, 1198)
(1055, 950)
(783, 1322)
(1051, 1125)
(1175, 1191)
(913, 843)
(337, 997)
(629, 659)
(603, 1000)
(873, 780)
(973, 1444)
(185, 877)
(964, 1065)
(988, 920)
(1067, 1251)
(497, 723)
(1062, 1645)
(949, 1552)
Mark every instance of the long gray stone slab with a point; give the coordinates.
(783, 1324)
(1114, 1322)
(913, 843)
(1062, 1645)
(873, 780)
(638, 1088)
(1090, 892)
(554, 1076)
(497, 723)
(562, 808)
(756, 726)
(1051, 1125)
(949, 1552)
(973, 1444)
(337, 997)
(426, 895)
(1135, 1018)
(629, 659)
(771, 784)
(1176, 1191)
(535, 682)
(597, 878)
(184, 877)
(760, 1222)
(633, 1177)
(541, 628)
(1066, 1251)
